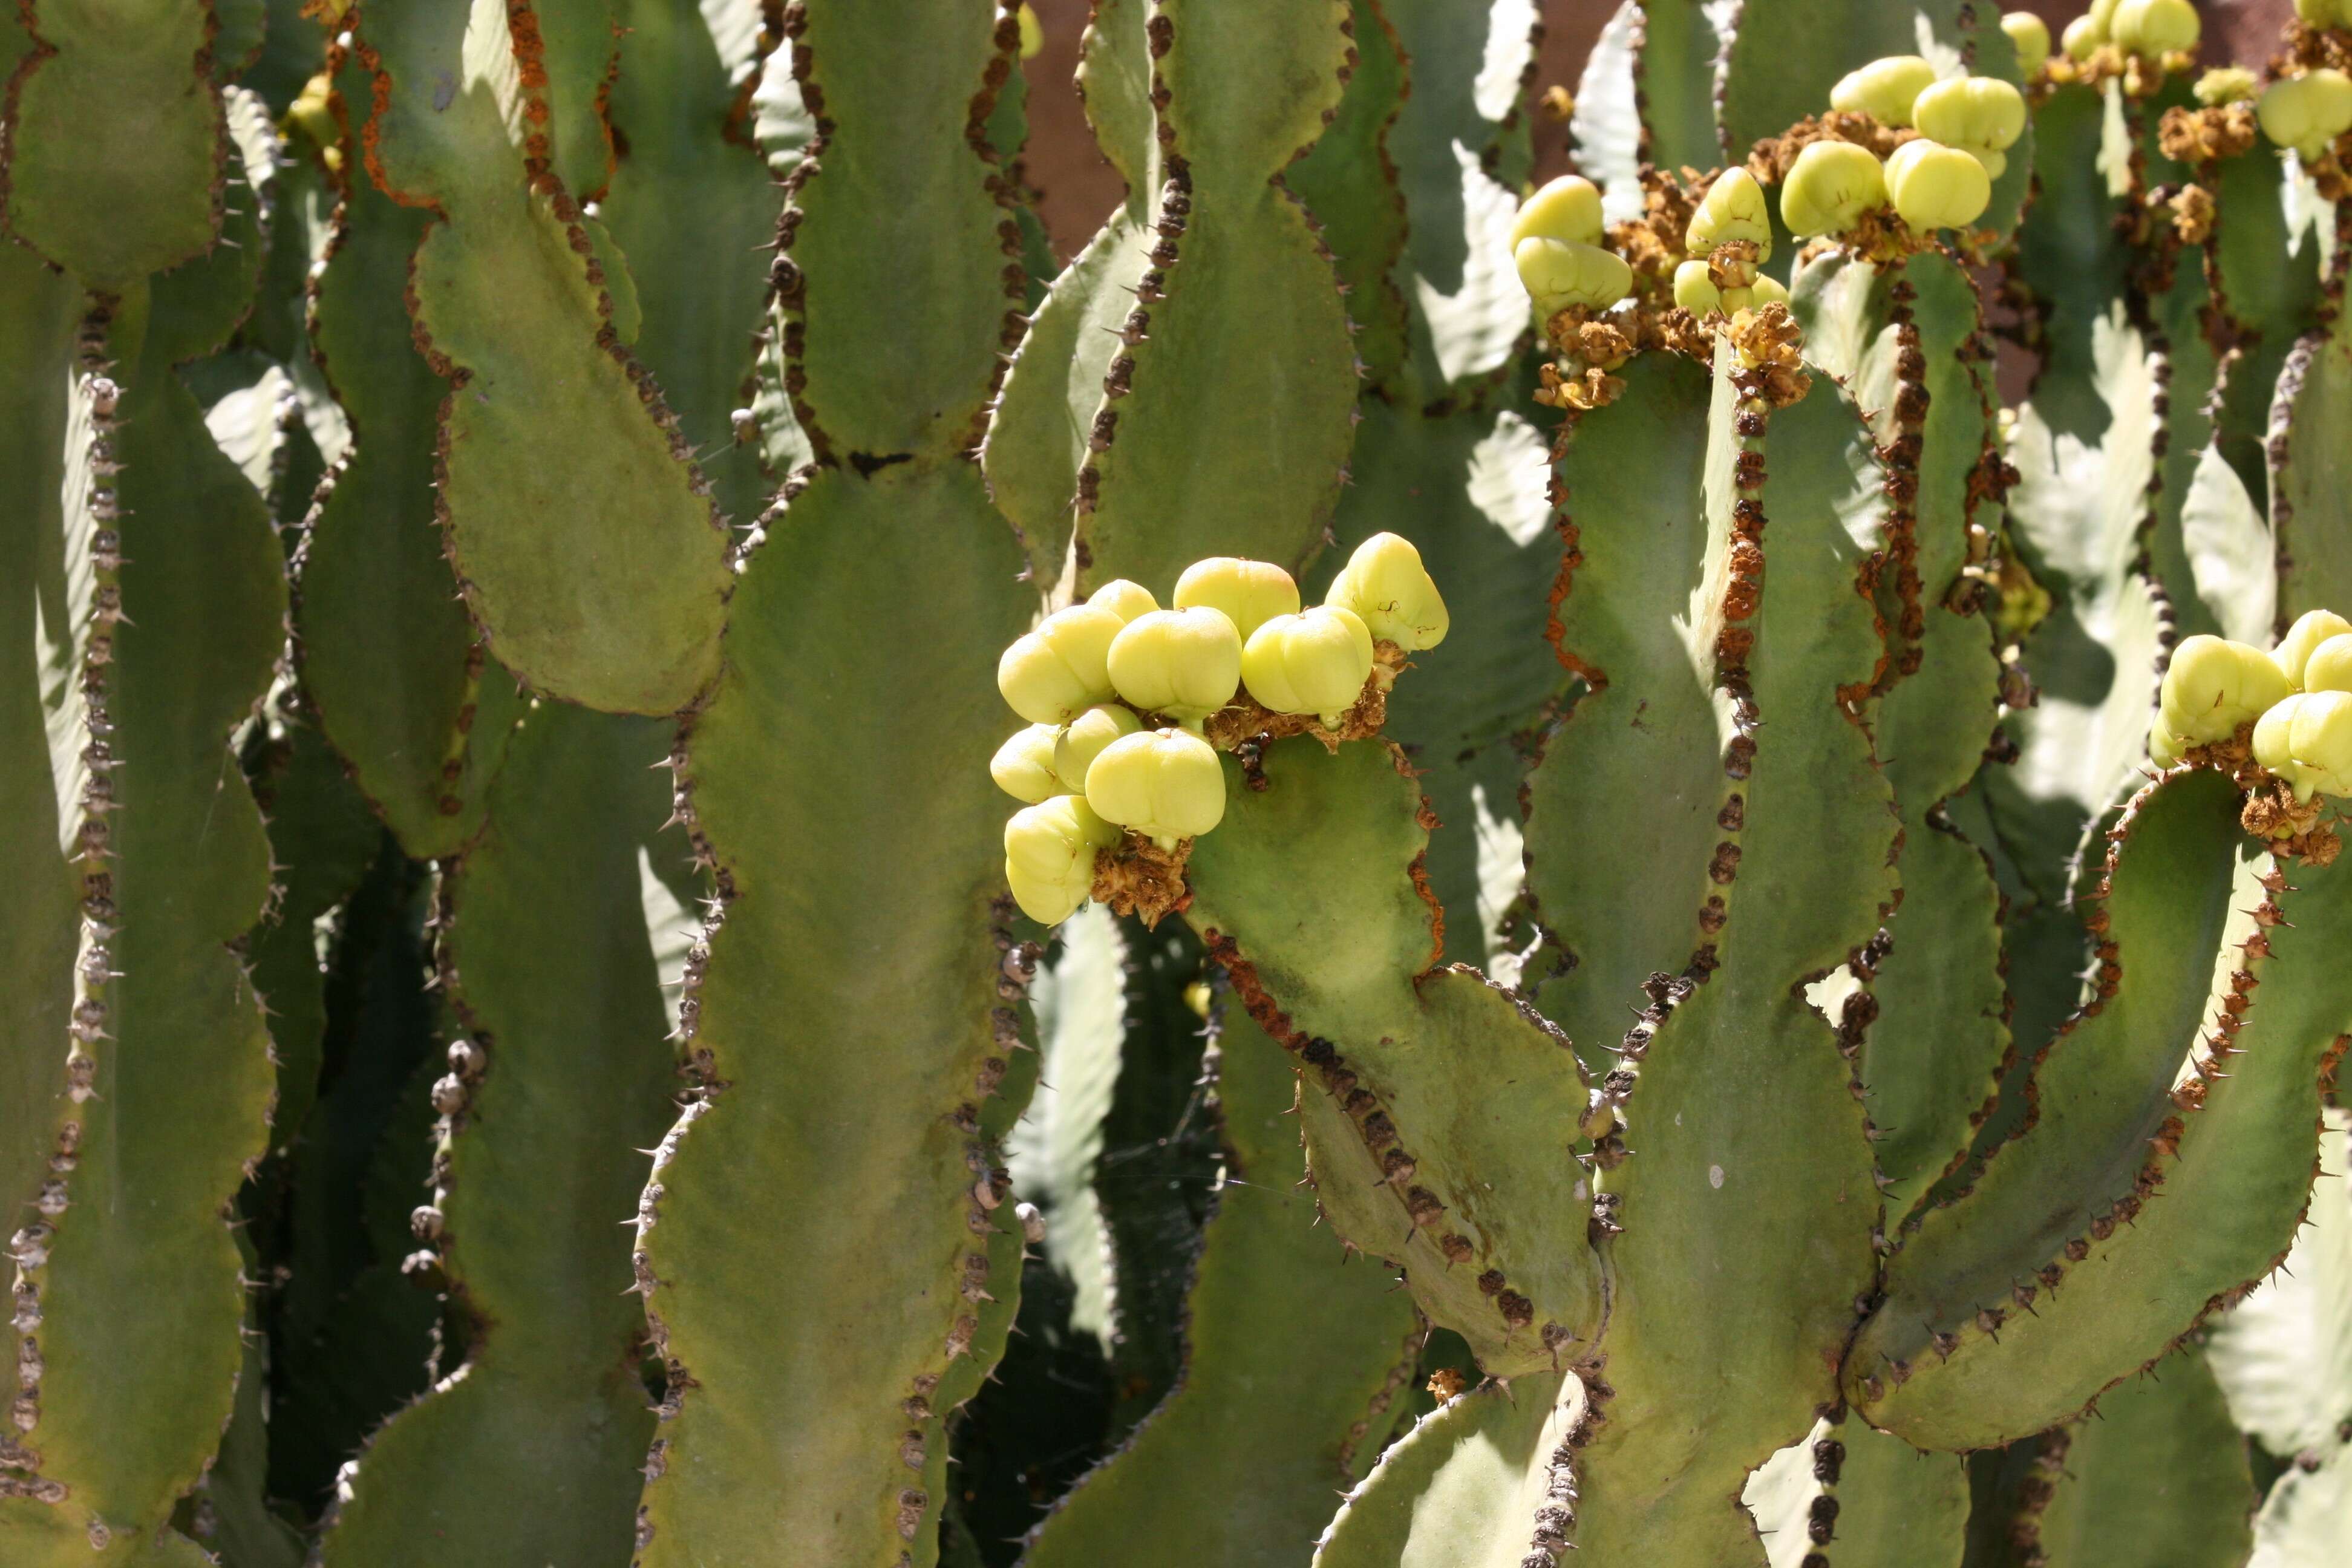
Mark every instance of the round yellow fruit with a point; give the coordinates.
(1058, 672)
(1934, 186)
(1314, 662)
(2031, 37)
(1829, 187)
(1049, 856)
(1732, 209)
(1568, 208)
(2306, 113)
(2311, 628)
(1558, 274)
(2306, 740)
(1184, 663)
(1980, 115)
(1884, 89)
(2155, 27)
(1248, 593)
(1024, 766)
(2213, 685)
(1124, 599)
(1082, 740)
(1167, 784)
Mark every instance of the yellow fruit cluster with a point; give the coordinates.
(1556, 246)
(2149, 28)
(1943, 177)
(1116, 692)
(2297, 697)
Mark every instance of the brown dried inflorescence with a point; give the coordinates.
(1771, 159)
(2204, 135)
(1589, 348)
(1772, 365)
(2192, 214)
(1135, 876)
(1244, 720)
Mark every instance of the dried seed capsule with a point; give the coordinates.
(2329, 667)
(1733, 208)
(1980, 115)
(2031, 34)
(1935, 186)
(1559, 275)
(1386, 586)
(1568, 208)
(2212, 686)
(2307, 740)
(1184, 663)
(1695, 291)
(2311, 628)
(1247, 592)
(1830, 185)
(1084, 738)
(2307, 111)
(1052, 674)
(1049, 856)
(1024, 766)
(2228, 84)
(2155, 27)
(1167, 784)
(1122, 598)
(1316, 662)
(1884, 89)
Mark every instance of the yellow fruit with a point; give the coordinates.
(1082, 740)
(2163, 745)
(2325, 13)
(2306, 740)
(1124, 599)
(1732, 209)
(1032, 32)
(2155, 27)
(2030, 36)
(1167, 784)
(2329, 667)
(1935, 186)
(1884, 89)
(1184, 663)
(1024, 766)
(1391, 593)
(1316, 662)
(1566, 208)
(2082, 38)
(2308, 111)
(1558, 275)
(2310, 629)
(1695, 291)
(1056, 672)
(1249, 593)
(2212, 686)
(2227, 84)
(1766, 291)
(1980, 115)
(1049, 856)
(1829, 187)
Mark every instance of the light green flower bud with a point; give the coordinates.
(2306, 740)
(1124, 599)
(2082, 38)
(1566, 208)
(1167, 784)
(2308, 111)
(1884, 89)
(1391, 593)
(1049, 856)
(2030, 36)
(2164, 747)
(2212, 686)
(2302, 639)
(1557, 275)
(2227, 84)
(1829, 187)
(1184, 663)
(1250, 592)
(1980, 115)
(2155, 27)
(1695, 291)
(2329, 667)
(1935, 186)
(1083, 738)
(1733, 208)
(1024, 766)
(1058, 672)
(1316, 662)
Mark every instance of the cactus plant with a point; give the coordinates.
(1741, 736)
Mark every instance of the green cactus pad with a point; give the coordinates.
(544, 434)
(1680, 48)
(1887, 1504)
(1348, 181)
(1459, 1490)
(551, 922)
(1354, 974)
(853, 1093)
(1294, 1353)
(118, 150)
(2308, 503)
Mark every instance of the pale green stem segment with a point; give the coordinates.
(1859, 1496)
(1349, 180)
(1933, 1032)
(389, 657)
(2167, 1162)
(1307, 893)
(119, 155)
(1219, 425)
(1702, 1372)
(2311, 515)
(553, 927)
(156, 608)
(582, 532)
(1294, 1354)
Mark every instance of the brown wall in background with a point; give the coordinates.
(1080, 188)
